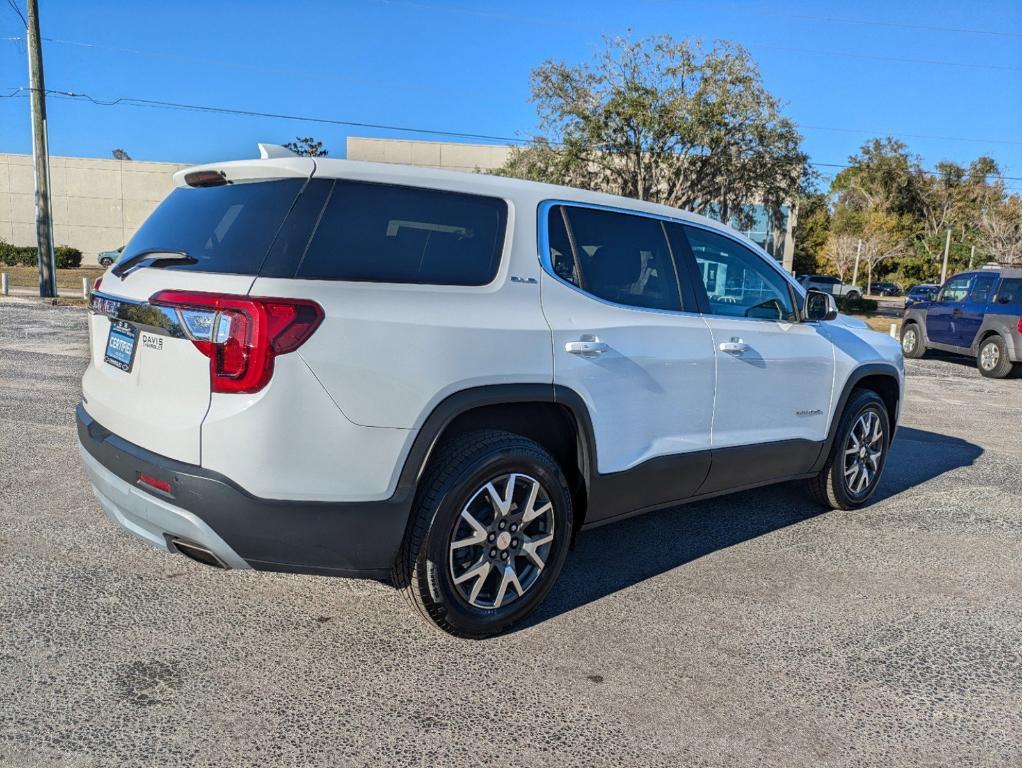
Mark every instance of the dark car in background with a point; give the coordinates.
(976, 313)
(885, 289)
(922, 292)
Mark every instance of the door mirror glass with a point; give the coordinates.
(819, 306)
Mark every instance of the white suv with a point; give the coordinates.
(352, 369)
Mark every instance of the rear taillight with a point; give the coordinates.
(1019, 326)
(240, 334)
(153, 482)
(97, 282)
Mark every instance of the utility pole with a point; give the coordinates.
(947, 247)
(972, 255)
(40, 156)
(855, 272)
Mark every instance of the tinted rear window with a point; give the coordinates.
(390, 234)
(226, 229)
(1010, 291)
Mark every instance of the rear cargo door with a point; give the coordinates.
(147, 381)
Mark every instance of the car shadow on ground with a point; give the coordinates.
(616, 556)
(966, 362)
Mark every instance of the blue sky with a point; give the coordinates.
(946, 77)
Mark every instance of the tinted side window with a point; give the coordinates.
(738, 282)
(389, 234)
(956, 289)
(624, 258)
(561, 258)
(982, 289)
(1010, 291)
(226, 229)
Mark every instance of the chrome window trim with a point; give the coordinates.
(543, 245)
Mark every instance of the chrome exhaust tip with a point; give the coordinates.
(196, 553)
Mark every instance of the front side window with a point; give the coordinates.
(956, 289)
(982, 289)
(390, 234)
(738, 282)
(624, 258)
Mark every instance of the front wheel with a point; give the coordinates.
(992, 360)
(489, 535)
(852, 296)
(912, 341)
(858, 455)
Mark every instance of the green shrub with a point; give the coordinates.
(856, 306)
(17, 255)
(67, 257)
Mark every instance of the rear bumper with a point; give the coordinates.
(358, 539)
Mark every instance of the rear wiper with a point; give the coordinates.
(152, 257)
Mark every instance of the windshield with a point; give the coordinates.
(224, 229)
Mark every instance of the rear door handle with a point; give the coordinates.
(734, 347)
(587, 346)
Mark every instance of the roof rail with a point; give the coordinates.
(266, 151)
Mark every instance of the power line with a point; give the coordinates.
(17, 10)
(908, 135)
(130, 101)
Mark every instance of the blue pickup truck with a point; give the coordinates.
(976, 313)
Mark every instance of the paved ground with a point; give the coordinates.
(747, 630)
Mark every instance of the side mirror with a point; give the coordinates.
(819, 306)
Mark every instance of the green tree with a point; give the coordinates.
(812, 228)
(306, 146)
(669, 121)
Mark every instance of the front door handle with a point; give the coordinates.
(734, 347)
(587, 346)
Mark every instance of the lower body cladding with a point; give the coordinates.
(208, 518)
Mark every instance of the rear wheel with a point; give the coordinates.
(852, 295)
(489, 536)
(992, 360)
(858, 455)
(912, 341)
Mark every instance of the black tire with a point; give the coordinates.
(831, 487)
(457, 475)
(912, 345)
(992, 358)
(852, 295)
(106, 261)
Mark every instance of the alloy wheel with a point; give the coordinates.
(909, 341)
(989, 356)
(863, 449)
(501, 541)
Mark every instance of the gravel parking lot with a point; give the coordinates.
(743, 630)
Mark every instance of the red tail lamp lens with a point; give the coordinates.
(241, 334)
(154, 482)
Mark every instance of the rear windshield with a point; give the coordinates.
(391, 234)
(225, 229)
(1010, 291)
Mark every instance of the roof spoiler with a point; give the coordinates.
(266, 151)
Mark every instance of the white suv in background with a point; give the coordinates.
(831, 285)
(352, 369)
